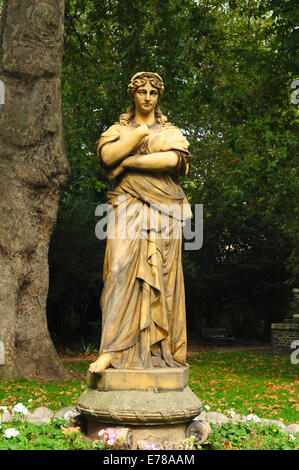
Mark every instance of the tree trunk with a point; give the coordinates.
(33, 169)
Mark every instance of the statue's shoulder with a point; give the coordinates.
(111, 134)
(112, 130)
(168, 126)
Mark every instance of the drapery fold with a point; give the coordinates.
(143, 299)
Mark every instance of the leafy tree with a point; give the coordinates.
(228, 69)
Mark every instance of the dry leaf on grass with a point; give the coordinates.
(70, 430)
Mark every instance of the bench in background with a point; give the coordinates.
(220, 334)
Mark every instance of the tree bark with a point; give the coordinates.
(33, 169)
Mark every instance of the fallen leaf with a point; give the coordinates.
(70, 430)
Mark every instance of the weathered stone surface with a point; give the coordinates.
(238, 418)
(68, 412)
(40, 415)
(161, 379)
(141, 445)
(202, 416)
(273, 421)
(292, 428)
(216, 418)
(139, 407)
(200, 430)
(162, 436)
(124, 437)
(6, 417)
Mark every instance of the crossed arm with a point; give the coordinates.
(159, 161)
(118, 153)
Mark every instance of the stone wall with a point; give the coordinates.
(284, 334)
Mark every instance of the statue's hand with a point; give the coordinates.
(143, 130)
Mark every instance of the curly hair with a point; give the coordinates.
(138, 80)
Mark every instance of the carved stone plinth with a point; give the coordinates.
(139, 407)
(158, 379)
(166, 436)
(139, 397)
(151, 402)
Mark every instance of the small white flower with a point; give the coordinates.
(3, 408)
(256, 419)
(11, 432)
(207, 407)
(253, 418)
(231, 413)
(30, 400)
(20, 408)
(291, 436)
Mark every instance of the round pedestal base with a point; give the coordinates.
(137, 407)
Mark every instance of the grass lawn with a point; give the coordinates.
(247, 382)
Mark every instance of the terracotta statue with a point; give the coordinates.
(143, 299)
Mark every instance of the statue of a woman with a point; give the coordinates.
(143, 299)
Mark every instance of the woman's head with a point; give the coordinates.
(140, 81)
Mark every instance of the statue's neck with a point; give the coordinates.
(148, 119)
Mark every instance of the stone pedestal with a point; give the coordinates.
(162, 379)
(163, 436)
(155, 404)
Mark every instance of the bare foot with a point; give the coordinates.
(102, 363)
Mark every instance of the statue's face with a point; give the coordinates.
(146, 98)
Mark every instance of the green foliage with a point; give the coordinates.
(243, 436)
(243, 381)
(246, 382)
(58, 436)
(238, 279)
(44, 437)
(249, 381)
(54, 395)
(228, 69)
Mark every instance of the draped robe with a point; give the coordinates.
(143, 298)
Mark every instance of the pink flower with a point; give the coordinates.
(109, 435)
(150, 446)
(111, 442)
